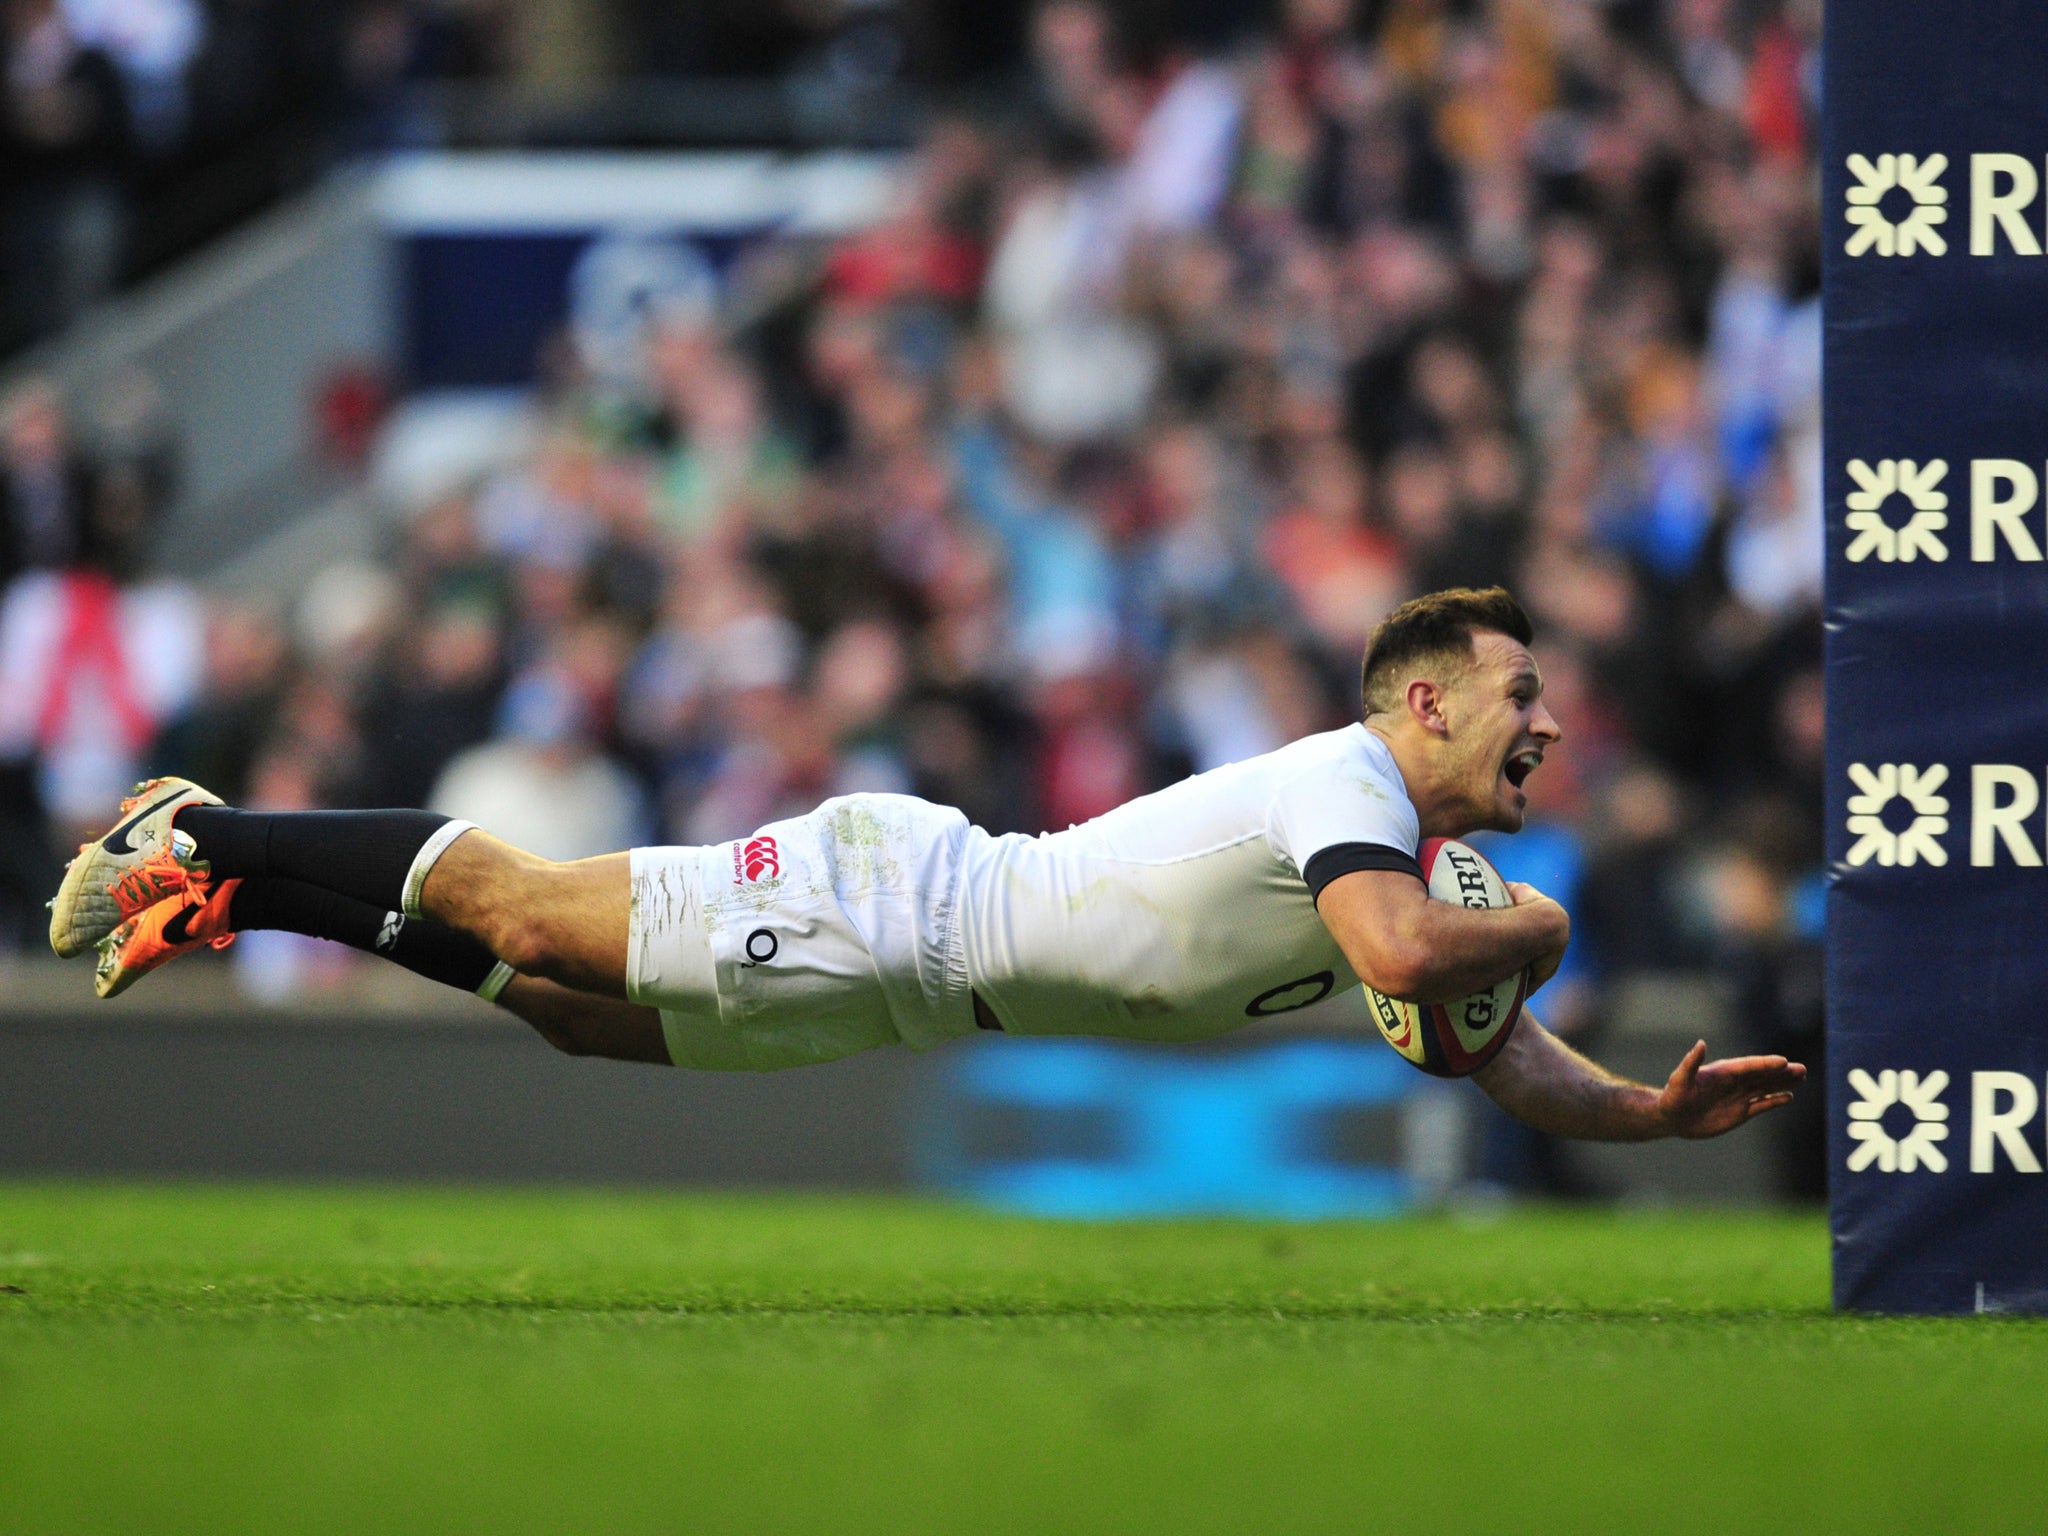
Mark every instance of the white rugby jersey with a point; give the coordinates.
(1187, 912)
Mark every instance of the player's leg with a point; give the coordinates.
(586, 1025)
(565, 922)
(211, 913)
(575, 1022)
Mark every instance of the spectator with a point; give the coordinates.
(152, 43)
(1343, 572)
(436, 697)
(91, 669)
(44, 486)
(65, 137)
(217, 739)
(545, 785)
(89, 673)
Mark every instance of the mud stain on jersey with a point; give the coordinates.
(1118, 887)
(860, 841)
(660, 905)
(757, 897)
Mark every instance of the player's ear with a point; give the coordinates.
(1426, 705)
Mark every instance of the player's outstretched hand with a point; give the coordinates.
(1710, 1098)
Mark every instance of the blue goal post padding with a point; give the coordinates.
(1934, 217)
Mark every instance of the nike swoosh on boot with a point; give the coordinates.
(118, 840)
(178, 929)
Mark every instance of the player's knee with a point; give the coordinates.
(523, 941)
(540, 932)
(525, 946)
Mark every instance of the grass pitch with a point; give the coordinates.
(222, 1359)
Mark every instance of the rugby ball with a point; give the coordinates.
(1455, 1039)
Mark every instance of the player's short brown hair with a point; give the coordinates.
(1437, 625)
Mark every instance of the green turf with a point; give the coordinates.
(221, 1358)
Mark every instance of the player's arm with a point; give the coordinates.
(1543, 1082)
(584, 1024)
(1422, 951)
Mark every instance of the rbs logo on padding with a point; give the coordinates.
(1899, 511)
(1897, 205)
(1899, 1120)
(1898, 815)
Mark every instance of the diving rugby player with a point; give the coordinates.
(1244, 892)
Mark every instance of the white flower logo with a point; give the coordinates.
(1930, 814)
(1917, 483)
(1915, 1149)
(1918, 178)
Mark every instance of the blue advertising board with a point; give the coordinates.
(1093, 1129)
(496, 252)
(1934, 207)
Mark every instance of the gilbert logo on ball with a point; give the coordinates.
(1458, 1038)
(756, 859)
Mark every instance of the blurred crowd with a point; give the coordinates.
(1091, 466)
(131, 130)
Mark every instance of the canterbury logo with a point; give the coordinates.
(756, 859)
(387, 936)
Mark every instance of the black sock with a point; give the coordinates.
(364, 854)
(420, 945)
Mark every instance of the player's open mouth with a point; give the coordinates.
(1521, 765)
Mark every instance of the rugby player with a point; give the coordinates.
(1245, 892)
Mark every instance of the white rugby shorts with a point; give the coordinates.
(812, 939)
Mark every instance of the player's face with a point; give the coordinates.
(1499, 731)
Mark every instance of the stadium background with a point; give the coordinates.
(1099, 377)
(628, 419)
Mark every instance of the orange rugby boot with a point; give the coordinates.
(196, 918)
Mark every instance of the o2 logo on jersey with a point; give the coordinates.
(756, 859)
(1291, 995)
